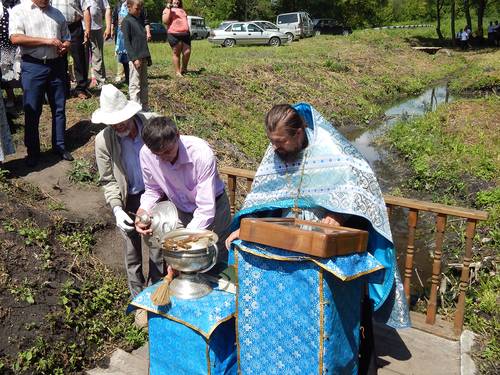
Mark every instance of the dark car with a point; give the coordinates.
(329, 26)
(158, 32)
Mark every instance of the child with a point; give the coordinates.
(136, 45)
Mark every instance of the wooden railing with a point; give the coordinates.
(414, 207)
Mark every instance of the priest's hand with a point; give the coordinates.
(332, 219)
(232, 237)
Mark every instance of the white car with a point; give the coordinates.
(246, 33)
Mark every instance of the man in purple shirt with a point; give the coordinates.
(183, 169)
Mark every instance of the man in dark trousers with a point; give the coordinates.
(76, 11)
(43, 71)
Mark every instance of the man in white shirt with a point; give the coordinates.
(44, 39)
(98, 9)
(77, 15)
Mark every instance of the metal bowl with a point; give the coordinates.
(199, 258)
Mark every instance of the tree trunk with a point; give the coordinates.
(438, 19)
(481, 7)
(467, 13)
(453, 36)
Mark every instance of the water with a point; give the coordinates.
(391, 172)
(381, 161)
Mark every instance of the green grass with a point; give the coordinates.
(349, 79)
(454, 154)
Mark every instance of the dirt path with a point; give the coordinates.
(81, 202)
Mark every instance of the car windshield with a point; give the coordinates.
(287, 18)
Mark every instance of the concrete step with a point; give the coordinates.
(142, 352)
(105, 371)
(123, 363)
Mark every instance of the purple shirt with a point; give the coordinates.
(192, 183)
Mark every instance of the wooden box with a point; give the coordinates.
(301, 236)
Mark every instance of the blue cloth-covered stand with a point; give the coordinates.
(190, 337)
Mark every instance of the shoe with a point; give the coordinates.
(31, 161)
(65, 155)
(141, 318)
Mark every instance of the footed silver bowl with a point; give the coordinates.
(191, 260)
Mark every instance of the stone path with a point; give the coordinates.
(408, 352)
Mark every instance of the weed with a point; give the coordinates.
(336, 66)
(32, 233)
(87, 106)
(3, 175)
(79, 242)
(56, 206)
(83, 171)
(488, 198)
(24, 292)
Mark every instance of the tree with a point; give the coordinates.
(439, 8)
(453, 38)
(480, 8)
(468, 18)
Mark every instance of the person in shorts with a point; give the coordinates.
(178, 35)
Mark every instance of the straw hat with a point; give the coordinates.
(115, 107)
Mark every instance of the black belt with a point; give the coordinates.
(34, 60)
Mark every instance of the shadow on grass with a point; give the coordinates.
(422, 41)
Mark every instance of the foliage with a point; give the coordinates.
(24, 292)
(454, 153)
(349, 79)
(483, 317)
(422, 140)
(79, 242)
(83, 171)
(91, 307)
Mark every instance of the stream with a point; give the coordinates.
(391, 172)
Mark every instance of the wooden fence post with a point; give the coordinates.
(436, 269)
(410, 250)
(464, 279)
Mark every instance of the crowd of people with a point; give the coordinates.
(37, 58)
(464, 36)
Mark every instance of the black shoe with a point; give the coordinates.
(31, 161)
(65, 155)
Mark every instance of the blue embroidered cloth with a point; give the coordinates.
(202, 315)
(336, 178)
(294, 316)
(190, 337)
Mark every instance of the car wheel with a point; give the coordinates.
(318, 33)
(195, 37)
(290, 37)
(275, 41)
(229, 43)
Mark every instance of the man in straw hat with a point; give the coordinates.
(117, 154)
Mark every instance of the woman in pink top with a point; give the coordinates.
(178, 34)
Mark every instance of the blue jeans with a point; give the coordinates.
(38, 78)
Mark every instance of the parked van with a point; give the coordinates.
(197, 27)
(296, 25)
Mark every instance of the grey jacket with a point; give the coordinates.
(112, 176)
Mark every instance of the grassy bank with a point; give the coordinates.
(349, 79)
(454, 154)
